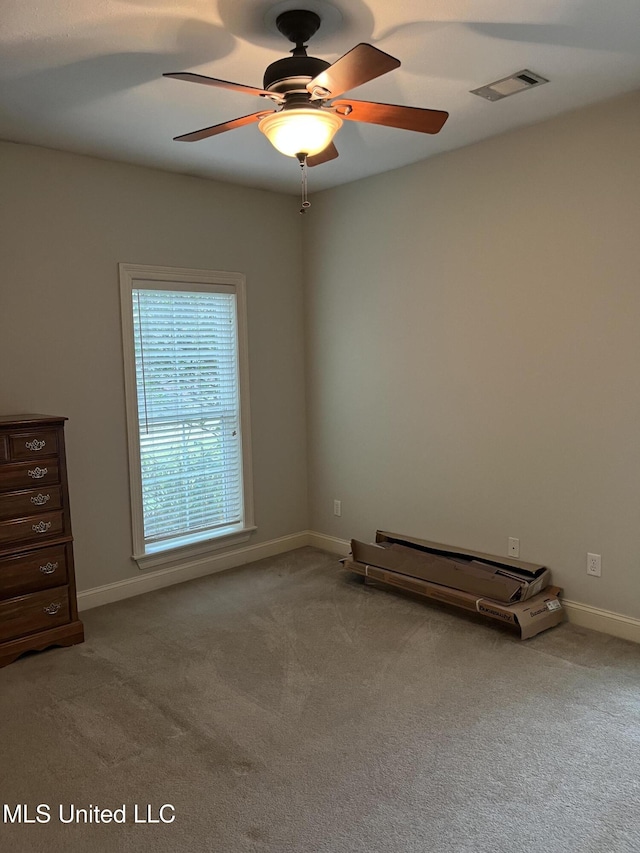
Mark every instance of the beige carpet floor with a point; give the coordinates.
(285, 708)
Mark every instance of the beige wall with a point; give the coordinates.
(472, 341)
(65, 223)
(473, 338)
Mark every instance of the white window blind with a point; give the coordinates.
(185, 351)
(188, 411)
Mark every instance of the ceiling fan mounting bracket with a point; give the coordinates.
(298, 25)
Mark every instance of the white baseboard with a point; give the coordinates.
(615, 624)
(329, 543)
(149, 581)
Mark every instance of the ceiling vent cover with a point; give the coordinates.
(518, 82)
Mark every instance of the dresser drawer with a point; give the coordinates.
(17, 504)
(43, 526)
(4, 455)
(31, 445)
(36, 612)
(38, 570)
(29, 475)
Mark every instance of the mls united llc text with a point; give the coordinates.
(70, 813)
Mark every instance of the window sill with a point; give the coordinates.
(176, 554)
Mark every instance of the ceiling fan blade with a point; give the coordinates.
(188, 77)
(329, 153)
(392, 115)
(215, 129)
(362, 63)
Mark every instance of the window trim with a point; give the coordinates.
(198, 544)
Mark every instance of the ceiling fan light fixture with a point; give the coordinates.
(300, 131)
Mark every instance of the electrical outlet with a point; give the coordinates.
(594, 565)
(514, 547)
(337, 508)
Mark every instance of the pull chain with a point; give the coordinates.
(306, 204)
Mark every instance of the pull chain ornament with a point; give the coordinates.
(306, 204)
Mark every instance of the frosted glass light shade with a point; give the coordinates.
(300, 131)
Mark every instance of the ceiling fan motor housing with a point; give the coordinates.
(292, 72)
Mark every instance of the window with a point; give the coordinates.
(184, 335)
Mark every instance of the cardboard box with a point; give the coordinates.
(471, 571)
(530, 617)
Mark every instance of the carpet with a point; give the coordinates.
(284, 707)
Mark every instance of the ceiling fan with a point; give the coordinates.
(306, 115)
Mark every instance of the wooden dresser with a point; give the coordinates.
(38, 606)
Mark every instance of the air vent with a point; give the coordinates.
(518, 82)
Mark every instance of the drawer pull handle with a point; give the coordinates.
(48, 568)
(38, 473)
(41, 526)
(35, 444)
(52, 609)
(40, 500)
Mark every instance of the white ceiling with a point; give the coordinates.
(86, 75)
